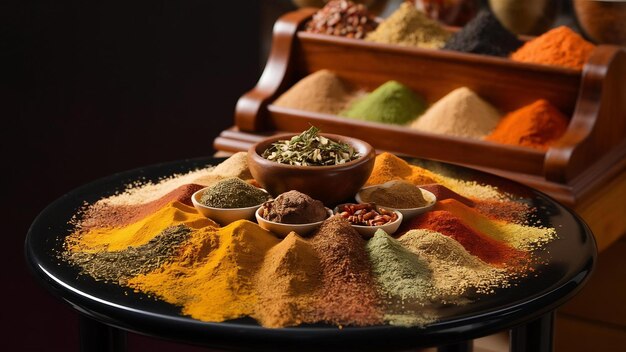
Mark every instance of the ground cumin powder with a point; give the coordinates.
(348, 293)
(217, 284)
(138, 233)
(286, 283)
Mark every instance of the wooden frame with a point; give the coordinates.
(592, 150)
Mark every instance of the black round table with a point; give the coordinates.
(108, 310)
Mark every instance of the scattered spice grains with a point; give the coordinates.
(342, 18)
(119, 266)
(348, 295)
(409, 27)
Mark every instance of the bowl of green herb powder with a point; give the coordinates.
(327, 167)
(229, 200)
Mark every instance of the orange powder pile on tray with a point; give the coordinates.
(537, 126)
(388, 167)
(558, 47)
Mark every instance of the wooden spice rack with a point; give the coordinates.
(588, 156)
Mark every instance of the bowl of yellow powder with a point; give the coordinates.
(399, 195)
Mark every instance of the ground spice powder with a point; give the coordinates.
(442, 192)
(391, 103)
(537, 126)
(138, 233)
(388, 167)
(409, 27)
(219, 284)
(102, 214)
(322, 91)
(461, 113)
(479, 244)
(286, 283)
(348, 293)
(560, 46)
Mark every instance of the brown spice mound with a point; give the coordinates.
(101, 214)
(289, 275)
(342, 18)
(398, 194)
(508, 211)
(294, 207)
(348, 294)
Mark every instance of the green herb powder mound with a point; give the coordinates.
(233, 193)
(391, 103)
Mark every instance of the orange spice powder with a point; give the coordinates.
(560, 46)
(537, 125)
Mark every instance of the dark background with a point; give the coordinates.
(89, 88)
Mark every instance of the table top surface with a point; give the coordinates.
(570, 258)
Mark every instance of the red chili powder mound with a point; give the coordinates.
(537, 125)
(347, 295)
(443, 192)
(101, 215)
(479, 244)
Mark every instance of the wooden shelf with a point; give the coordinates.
(590, 155)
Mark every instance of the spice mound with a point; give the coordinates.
(233, 193)
(395, 194)
(409, 27)
(310, 149)
(391, 103)
(293, 207)
(342, 18)
(367, 214)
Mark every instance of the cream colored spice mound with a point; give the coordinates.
(409, 27)
(461, 113)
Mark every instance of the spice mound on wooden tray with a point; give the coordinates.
(560, 46)
(342, 18)
(461, 113)
(537, 126)
(322, 91)
(484, 35)
(293, 207)
(395, 194)
(409, 27)
(309, 148)
(392, 103)
(367, 214)
(233, 193)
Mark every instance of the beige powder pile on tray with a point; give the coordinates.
(322, 91)
(461, 113)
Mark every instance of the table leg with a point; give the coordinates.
(535, 336)
(465, 346)
(98, 337)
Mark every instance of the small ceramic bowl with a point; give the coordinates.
(282, 230)
(224, 216)
(329, 184)
(409, 212)
(368, 231)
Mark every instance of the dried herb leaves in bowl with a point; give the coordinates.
(310, 149)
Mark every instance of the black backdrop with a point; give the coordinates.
(88, 88)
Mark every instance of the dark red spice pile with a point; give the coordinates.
(348, 293)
